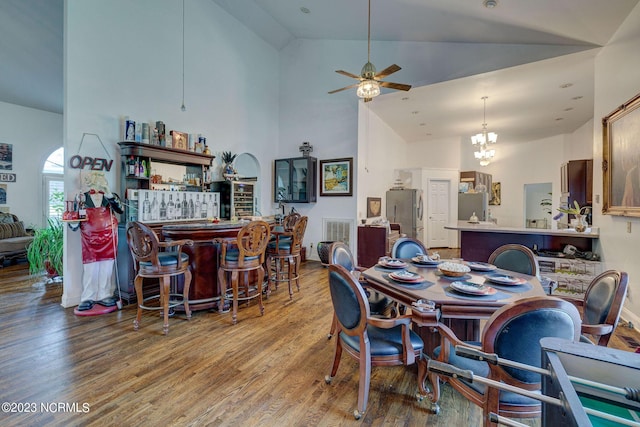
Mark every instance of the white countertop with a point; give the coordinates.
(489, 227)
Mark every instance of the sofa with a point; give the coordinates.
(14, 239)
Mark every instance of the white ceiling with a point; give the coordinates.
(525, 102)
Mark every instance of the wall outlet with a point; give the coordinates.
(628, 226)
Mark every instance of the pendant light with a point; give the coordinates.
(483, 139)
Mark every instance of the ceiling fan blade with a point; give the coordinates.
(348, 74)
(344, 88)
(397, 86)
(388, 71)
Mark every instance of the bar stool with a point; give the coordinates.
(243, 254)
(286, 248)
(150, 262)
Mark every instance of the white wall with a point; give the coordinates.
(34, 134)
(125, 58)
(616, 82)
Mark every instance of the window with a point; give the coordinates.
(54, 185)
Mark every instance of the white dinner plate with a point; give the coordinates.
(505, 279)
(394, 263)
(473, 288)
(406, 276)
(481, 266)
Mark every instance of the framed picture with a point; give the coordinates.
(336, 177)
(463, 187)
(621, 160)
(496, 194)
(6, 156)
(374, 207)
(179, 140)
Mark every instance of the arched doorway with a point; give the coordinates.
(53, 183)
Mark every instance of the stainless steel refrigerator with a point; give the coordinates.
(468, 203)
(405, 208)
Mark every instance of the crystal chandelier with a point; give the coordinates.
(484, 138)
(368, 88)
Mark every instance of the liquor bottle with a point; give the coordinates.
(204, 210)
(131, 164)
(171, 208)
(185, 207)
(163, 208)
(146, 208)
(136, 171)
(192, 208)
(198, 208)
(154, 208)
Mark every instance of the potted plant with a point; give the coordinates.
(45, 252)
(579, 213)
(228, 159)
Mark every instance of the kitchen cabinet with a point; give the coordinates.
(295, 180)
(236, 198)
(374, 242)
(475, 178)
(576, 181)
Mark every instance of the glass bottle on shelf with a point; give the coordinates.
(146, 207)
(171, 208)
(131, 165)
(184, 211)
(192, 208)
(163, 208)
(203, 208)
(154, 208)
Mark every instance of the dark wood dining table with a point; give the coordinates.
(461, 312)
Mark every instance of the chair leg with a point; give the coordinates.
(336, 362)
(222, 284)
(334, 326)
(297, 264)
(259, 286)
(234, 287)
(185, 293)
(138, 285)
(365, 379)
(164, 296)
(290, 276)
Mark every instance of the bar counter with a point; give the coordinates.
(478, 241)
(204, 292)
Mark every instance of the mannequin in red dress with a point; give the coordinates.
(99, 242)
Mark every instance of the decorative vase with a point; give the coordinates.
(323, 252)
(581, 223)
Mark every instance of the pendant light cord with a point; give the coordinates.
(183, 108)
(369, 35)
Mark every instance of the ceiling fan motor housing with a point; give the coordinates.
(368, 71)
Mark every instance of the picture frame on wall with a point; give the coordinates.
(621, 160)
(374, 207)
(496, 194)
(336, 177)
(6, 156)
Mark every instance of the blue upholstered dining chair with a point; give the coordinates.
(406, 247)
(516, 258)
(601, 306)
(512, 333)
(370, 340)
(339, 253)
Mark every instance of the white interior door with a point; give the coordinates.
(438, 213)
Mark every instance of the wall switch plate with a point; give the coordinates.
(628, 226)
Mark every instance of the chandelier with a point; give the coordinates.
(483, 139)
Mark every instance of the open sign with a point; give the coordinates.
(95, 164)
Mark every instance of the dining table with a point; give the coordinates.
(422, 287)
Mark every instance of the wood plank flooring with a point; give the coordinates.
(266, 370)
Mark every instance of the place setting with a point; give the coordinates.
(404, 277)
(465, 289)
(424, 260)
(508, 282)
(386, 264)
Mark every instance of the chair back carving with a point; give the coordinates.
(516, 258)
(251, 243)
(290, 221)
(603, 302)
(143, 244)
(298, 234)
(407, 247)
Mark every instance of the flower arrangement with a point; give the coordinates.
(575, 210)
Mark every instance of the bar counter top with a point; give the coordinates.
(489, 227)
(208, 225)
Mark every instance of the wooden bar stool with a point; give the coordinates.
(150, 262)
(243, 254)
(285, 251)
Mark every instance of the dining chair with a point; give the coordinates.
(340, 254)
(406, 247)
(513, 333)
(370, 340)
(516, 258)
(601, 306)
(158, 260)
(242, 255)
(284, 256)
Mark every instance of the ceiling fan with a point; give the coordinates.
(370, 81)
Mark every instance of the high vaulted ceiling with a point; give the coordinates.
(531, 103)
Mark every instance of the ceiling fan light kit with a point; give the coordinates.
(370, 81)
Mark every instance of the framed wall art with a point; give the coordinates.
(621, 160)
(374, 207)
(496, 194)
(336, 177)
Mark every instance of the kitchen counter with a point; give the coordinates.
(478, 241)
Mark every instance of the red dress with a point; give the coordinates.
(99, 235)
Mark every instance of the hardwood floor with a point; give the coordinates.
(266, 370)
